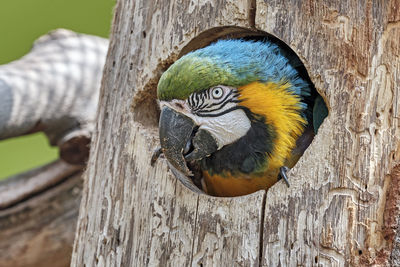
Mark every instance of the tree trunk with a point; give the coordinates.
(38, 213)
(343, 203)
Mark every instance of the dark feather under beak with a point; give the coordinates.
(181, 140)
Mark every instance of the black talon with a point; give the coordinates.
(156, 154)
(283, 174)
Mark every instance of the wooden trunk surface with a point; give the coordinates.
(38, 214)
(343, 203)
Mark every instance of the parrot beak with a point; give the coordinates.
(181, 140)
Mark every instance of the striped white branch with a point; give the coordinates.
(54, 88)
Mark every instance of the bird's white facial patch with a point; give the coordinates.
(215, 110)
(226, 128)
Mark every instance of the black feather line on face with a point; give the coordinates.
(208, 114)
(198, 102)
(247, 154)
(202, 106)
(222, 101)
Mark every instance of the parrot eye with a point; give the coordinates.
(213, 101)
(217, 92)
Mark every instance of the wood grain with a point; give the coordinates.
(335, 212)
(132, 214)
(38, 215)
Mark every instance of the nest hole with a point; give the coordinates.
(146, 103)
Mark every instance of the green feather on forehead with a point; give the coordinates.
(192, 74)
(228, 62)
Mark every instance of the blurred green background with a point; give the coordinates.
(21, 23)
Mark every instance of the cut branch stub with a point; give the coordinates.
(75, 147)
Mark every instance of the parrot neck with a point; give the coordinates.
(247, 154)
(276, 119)
(283, 111)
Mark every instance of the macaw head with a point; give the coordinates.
(235, 106)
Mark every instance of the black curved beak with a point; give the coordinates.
(180, 140)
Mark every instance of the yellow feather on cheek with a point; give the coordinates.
(281, 110)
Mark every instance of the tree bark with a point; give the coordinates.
(38, 213)
(343, 203)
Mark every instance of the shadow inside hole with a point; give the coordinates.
(144, 104)
(208, 37)
(145, 108)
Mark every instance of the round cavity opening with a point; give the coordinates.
(238, 110)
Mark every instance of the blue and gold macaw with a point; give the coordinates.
(241, 111)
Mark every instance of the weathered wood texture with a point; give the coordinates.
(342, 206)
(337, 211)
(38, 213)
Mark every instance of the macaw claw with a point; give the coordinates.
(283, 174)
(156, 154)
